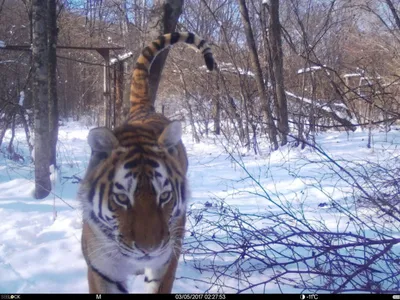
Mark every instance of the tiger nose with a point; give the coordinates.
(146, 249)
(151, 243)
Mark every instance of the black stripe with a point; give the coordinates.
(148, 54)
(130, 183)
(119, 186)
(142, 67)
(161, 40)
(111, 209)
(205, 49)
(153, 189)
(208, 58)
(136, 95)
(123, 244)
(176, 195)
(137, 150)
(183, 192)
(190, 38)
(94, 218)
(176, 170)
(101, 196)
(127, 128)
(169, 170)
(92, 192)
(99, 155)
(177, 213)
(109, 199)
(103, 172)
(152, 163)
(106, 278)
(177, 188)
(132, 164)
(135, 162)
(201, 44)
(108, 219)
(110, 176)
(129, 144)
(127, 137)
(106, 230)
(127, 175)
(175, 202)
(175, 37)
(169, 259)
(146, 279)
(156, 45)
(121, 288)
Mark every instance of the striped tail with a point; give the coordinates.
(140, 87)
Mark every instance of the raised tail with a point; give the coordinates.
(140, 86)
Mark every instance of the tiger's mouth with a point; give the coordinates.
(159, 257)
(145, 257)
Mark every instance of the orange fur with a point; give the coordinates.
(133, 194)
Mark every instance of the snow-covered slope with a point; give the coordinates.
(40, 239)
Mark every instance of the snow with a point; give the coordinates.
(230, 68)
(352, 75)
(21, 98)
(322, 104)
(121, 57)
(9, 61)
(2, 44)
(310, 69)
(40, 248)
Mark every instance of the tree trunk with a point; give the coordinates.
(313, 114)
(245, 100)
(52, 79)
(216, 113)
(163, 19)
(231, 107)
(24, 121)
(258, 74)
(189, 107)
(394, 12)
(40, 96)
(277, 65)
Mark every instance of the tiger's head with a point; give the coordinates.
(134, 190)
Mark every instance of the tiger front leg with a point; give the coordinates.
(160, 281)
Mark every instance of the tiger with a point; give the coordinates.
(135, 189)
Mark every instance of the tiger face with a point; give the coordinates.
(134, 192)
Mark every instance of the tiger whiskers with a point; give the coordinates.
(100, 248)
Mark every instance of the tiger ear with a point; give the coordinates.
(102, 139)
(171, 135)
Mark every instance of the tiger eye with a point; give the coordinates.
(165, 196)
(121, 199)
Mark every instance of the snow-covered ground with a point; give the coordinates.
(40, 239)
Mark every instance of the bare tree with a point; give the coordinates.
(276, 54)
(163, 19)
(258, 74)
(394, 12)
(40, 96)
(52, 32)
